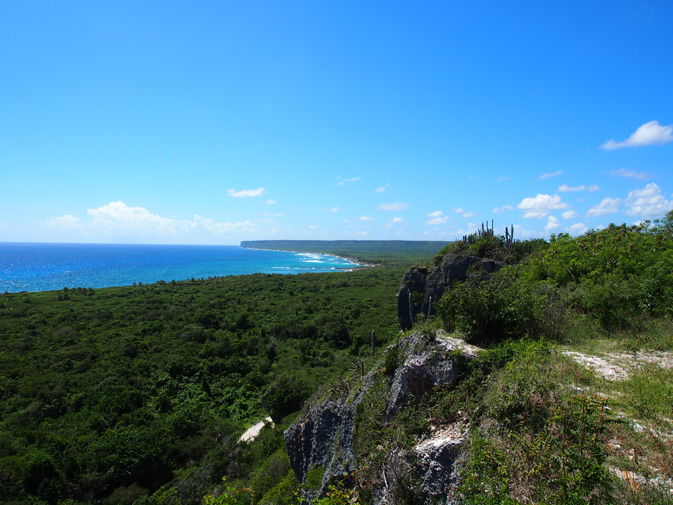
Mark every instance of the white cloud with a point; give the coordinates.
(459, 210)
(552, 224)
(382, 188)
(245, 192)
(577, 229)
(504, 208)
(118, 217)
(437, 217)
(66, 221)
(269, 202)
(564, 188)
(632, 174)
(468, 214)
(607, 206)
(396, 220)
(312, 227)
(334, 210)
(569, 214)
(541, 205)
(549, 175)
(647, 203)
(503, 178)
(393, 206)
(366, 218)
(651, 133)
(120, 214)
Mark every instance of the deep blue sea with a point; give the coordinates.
(48, 267)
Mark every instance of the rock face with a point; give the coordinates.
(421, 289)
(418, 376)
(327, 430)
(439, 458)
(325, 436)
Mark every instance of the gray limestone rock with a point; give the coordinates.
(324, 437)
(421, 289)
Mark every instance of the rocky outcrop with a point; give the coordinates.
(324, 437)
(439, 458)
(422, 288)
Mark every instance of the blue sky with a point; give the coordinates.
(216, 122)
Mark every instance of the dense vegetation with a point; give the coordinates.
(613, 280)
(544, 429)
(399, 253)
(139, 394)
(110, 395)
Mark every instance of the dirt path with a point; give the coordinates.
(617, 366)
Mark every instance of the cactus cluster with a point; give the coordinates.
(484, 231)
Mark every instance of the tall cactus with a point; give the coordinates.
(509, 237)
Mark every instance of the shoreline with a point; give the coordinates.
(351, 260)
(26, 288)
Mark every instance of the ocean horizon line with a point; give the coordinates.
(34, 267)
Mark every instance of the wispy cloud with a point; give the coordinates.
(366, 218)
(396, 220)
(269, 202)
(631, 174)
(651, 133)
(569, 214)
(564, 188)
(468, 214)
(541, 205)
(549, 175)
(503, 178)
(66, 221)
(607, 206)
(382, 188)
(504, 208)
(393, 206)
(346, 181)
(245, 193)
(647, 203)
(334, 210)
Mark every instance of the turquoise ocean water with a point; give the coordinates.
(47, 267)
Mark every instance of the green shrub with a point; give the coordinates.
(492, 311)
